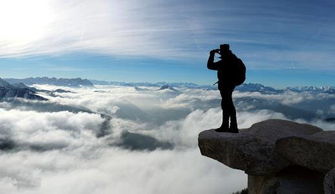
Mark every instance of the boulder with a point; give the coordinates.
(241, 151)
(279, 156)
(252, 150)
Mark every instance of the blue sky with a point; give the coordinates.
(283, 43)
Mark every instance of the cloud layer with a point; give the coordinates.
(133, 141)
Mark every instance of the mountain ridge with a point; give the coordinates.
(18, 90)
(246, 87)
(70, 82)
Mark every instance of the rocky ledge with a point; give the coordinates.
(279, 156)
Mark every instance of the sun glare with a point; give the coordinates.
(24, 21)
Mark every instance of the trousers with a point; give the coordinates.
(227, 105)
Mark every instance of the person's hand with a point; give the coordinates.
(212, 52)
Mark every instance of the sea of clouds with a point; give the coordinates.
(118, 139)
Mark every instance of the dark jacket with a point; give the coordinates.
(225, 68)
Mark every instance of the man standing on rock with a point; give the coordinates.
(231, 73)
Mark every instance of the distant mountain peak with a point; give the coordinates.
(3, 83)
(164, 87)
(18, 90)
(256, 87)
(167, 87)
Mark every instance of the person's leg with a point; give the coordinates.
(232, 113)
(231, 109)
(224, 106)
(228, 110)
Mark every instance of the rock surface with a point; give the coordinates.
(274, 129)
(279, 156)
(308, 152)
(253, 149)
(241, 151)
(291, 180)
(329, 182)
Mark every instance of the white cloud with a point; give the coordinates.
(49, 130)
(59, 151)
(117, 171)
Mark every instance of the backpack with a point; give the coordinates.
(239, 72)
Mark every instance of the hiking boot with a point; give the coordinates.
(233, 130)
(225, 129)
(222, 129)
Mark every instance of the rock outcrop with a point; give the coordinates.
(279, 156)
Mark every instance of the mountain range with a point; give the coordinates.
(73, 82)
(18, 90)
(79, 82)
(246, 87)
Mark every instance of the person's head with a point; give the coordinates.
(224, 49)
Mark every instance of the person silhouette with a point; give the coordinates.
(227, 74)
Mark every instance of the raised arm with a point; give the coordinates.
(211, 64)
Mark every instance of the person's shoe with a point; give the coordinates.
(233, 130)
(222, 129)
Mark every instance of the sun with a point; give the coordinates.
(24, 21)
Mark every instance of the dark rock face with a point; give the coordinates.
(279, 156)
(291, 180)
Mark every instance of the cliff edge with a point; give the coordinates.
(279, 156)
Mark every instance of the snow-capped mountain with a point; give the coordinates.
(19, 90)
(246, 87)
(252, 87)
